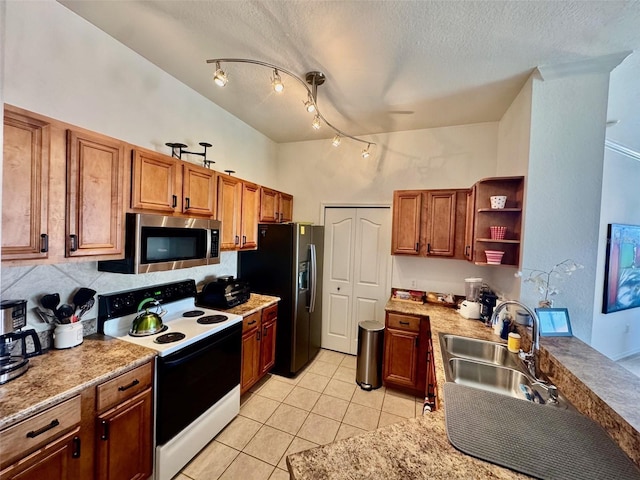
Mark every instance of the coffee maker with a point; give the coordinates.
(14, 354)
(488, 301)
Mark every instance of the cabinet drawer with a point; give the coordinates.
(270, 313)
(123, 386)
(404, 322)
(250, 322)
(40, 429)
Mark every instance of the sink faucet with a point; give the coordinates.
(529, 358)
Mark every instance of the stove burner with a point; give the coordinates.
(209, 319)
(170, 337)
(193, 313)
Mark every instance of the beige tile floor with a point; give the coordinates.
(280, 416)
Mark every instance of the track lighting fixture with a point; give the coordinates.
(310, 82)
(220, 77)
(276, 82)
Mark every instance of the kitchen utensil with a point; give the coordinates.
(86, 307)
(68, 335)
(50, 301)
(147, 323)
(64, 313)
(82, 296)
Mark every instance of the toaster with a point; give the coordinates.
(223, 293)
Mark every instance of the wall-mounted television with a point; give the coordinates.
(622, 268)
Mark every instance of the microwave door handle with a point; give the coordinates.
(313, 278)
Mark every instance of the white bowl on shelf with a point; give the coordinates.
(498, 201)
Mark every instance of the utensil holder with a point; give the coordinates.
(68, 335)
(498, 233)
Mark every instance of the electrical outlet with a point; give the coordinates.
(414, 283)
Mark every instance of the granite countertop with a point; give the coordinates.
(419, 447)
(255, 303)
(60, 374)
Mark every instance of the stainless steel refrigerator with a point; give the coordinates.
(288, 264)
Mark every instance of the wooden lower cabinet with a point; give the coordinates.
(258, 345)
(124, 441)
(406, 345)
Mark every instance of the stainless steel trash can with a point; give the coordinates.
(370, 348)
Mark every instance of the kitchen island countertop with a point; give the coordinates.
(419, 447)
(60, 374)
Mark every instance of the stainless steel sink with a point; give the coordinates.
(481, 350)
(490, 366)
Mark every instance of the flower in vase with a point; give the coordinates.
(541, 280)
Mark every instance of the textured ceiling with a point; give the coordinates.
(390, 65)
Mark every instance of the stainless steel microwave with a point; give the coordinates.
(155, 243)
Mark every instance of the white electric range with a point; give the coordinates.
(197, 382)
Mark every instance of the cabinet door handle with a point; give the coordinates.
(251, 322)
(417, 247)
(187, 203)
(74, 243)
(466, 250)
(404, 323)
(34, 433)
(76, 447)
(237, 240)
(417, 341)
(428, 247)
(175, 201)
(244, 239)
(258, 335)
(127, 387)
(105, 430)
(264, 332)
(44, 242)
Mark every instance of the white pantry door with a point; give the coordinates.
(356, 264)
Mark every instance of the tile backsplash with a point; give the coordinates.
(32, 282)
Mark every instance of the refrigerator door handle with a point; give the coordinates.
(314, 277)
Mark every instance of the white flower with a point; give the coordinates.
(541, 279)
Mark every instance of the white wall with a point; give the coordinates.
(60, 65)
(450, 157)
(564, 188)
(620, 204)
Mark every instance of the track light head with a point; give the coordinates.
(220, 77)
(276, 82)
(316, 122)
(365, 151)
(336, 141)
(309, 105)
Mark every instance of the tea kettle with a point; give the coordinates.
(147, 322)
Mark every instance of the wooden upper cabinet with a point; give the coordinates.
(25, 187)
(275, 206)
(269, 205)
(249, 216)
(286, 207)
(198, 190)
(440, 223)
(157, 182)
(229, 211)
(95, 193)
(407, 207)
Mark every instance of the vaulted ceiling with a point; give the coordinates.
(389, 65)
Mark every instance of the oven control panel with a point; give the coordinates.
(120, 304)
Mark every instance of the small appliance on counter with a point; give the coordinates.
(14, 356)
(488, 301)
(470, 307)
(225, 292)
